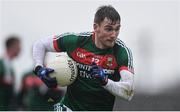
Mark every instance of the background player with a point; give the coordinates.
(7, 76)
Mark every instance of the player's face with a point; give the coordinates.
(16, 48)
(106, 33)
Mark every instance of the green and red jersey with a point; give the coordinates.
(86, 93)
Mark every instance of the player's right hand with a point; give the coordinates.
(98, 73)
(43, 74)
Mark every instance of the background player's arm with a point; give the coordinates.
(125, 87)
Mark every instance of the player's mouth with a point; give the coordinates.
(110, 40)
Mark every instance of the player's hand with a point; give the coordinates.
(43, 74)
(98, 73)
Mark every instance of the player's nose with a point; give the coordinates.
(113, 35)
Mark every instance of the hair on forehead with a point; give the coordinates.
(106, 11)
(11, 40)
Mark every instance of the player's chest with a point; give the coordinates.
(107, 61)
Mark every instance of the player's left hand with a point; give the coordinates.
(98, 73)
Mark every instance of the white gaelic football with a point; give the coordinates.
(65, 70)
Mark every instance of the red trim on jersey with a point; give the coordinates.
(126, 68)
(105, 61)
(55, 44)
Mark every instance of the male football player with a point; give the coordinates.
(104, 64)
(7, 77)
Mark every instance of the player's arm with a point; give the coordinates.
(125, 87)
(40, 48)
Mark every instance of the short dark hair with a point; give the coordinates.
(11, 40)
(106, 11)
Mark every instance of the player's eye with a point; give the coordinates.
(117, 29)
(108, 29)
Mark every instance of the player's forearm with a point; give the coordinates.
(124, 88)
(40, 48)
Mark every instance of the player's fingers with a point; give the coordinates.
(50, 70)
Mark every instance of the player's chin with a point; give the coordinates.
(110, 44)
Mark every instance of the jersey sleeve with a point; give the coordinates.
(65, 42)
(125, 59)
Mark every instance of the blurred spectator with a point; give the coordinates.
(35, 95)
(7, 76)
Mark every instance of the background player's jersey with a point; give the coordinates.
(86, 93)
(6, 85)
(35, 96)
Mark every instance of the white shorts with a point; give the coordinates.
(61, 107)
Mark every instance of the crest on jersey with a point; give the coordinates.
(109, 61)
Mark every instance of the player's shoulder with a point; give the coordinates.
(85, 34)
(121, 48)
(67, 34)
(81, 34)
(75, 36)
(119, 44)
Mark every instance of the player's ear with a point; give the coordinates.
(95, 26)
